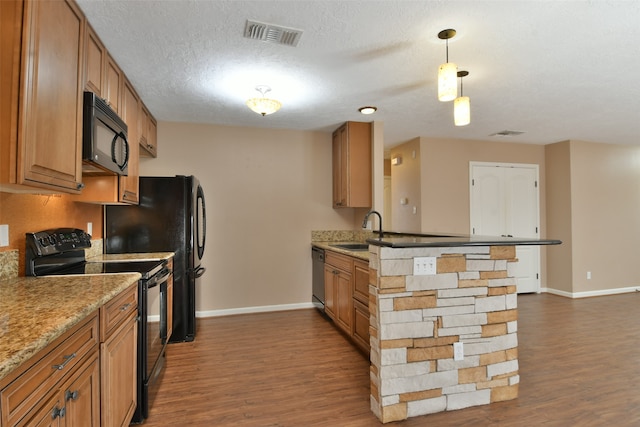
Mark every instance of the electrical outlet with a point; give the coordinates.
(4, 235)
(89, 228)
(424, 266)
(588, 275)
(458, 351)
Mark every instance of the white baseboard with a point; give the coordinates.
(258, 309)
(586, 294)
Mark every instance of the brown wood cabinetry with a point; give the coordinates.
(130, 114)
(361, 304)
(41, 115)
(347, 296)
(112, 84)
(60, 380)
(95, 56)
(118, 354)
(149, 136)
(352, 165)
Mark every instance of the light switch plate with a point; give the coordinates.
(424, 266)
(4, 235)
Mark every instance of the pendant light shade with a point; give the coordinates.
(263, 105)
(462, 105)
(462, 111)
(447, 82)
(447, 73)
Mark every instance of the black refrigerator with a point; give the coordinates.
(171, 217)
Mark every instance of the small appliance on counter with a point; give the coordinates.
(171, 217)
(60, 251)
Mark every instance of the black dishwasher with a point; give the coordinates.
(317, 255)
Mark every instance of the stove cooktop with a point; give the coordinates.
(145, 268)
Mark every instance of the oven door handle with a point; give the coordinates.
(161, 277)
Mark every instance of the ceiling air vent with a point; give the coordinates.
(272, 33)
(507, 133)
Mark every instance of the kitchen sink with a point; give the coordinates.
(352, 246)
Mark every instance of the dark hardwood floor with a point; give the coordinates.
(579, 366)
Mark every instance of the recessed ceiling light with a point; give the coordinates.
(368, 110)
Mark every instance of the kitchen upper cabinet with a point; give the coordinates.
(41, 117)
(95, 56)
(112, 84)
(149, 136)
(352, 165)
(129, 187)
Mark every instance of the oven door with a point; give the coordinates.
(156, 316)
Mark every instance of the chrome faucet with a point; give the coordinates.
(366, 219)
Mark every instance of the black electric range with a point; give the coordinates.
(60, 252)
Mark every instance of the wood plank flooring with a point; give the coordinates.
(579, 366)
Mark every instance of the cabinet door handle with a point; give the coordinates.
(58, 412)
(125, 307)
(71, 395)
(67, 359)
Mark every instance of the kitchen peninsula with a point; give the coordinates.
(445, 339)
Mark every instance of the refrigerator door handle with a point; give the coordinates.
(197, 272)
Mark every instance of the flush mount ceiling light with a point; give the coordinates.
(447, 81)
(263, 105)
(368, 110)
(462, 106)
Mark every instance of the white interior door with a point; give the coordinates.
(505, 202)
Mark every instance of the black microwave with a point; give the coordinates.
(105, 149)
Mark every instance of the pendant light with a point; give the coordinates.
(447, 82)
(462, 106)
(263, 105)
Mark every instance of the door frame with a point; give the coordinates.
(536, 168)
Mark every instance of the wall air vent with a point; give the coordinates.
(272, 33)
(507, 133)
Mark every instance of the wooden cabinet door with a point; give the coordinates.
(50, 414)
(148, 139)
(361, 326)
(339, 194)
(94, 62)
(118, 374)
(361, 281)
(82, 396)
(129, 186)
(50, 116)
(112, 84)
(343, 301)
(329, 291)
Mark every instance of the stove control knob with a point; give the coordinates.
(43, 242)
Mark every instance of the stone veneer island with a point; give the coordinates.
(415, 320)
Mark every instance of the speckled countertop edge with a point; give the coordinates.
(363, 255)
(151, 256)
(34, 311)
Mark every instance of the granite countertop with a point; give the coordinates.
(34, 311)
(363, 255)
(424, 240)
(151, 256)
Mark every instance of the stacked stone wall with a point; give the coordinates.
(415, 321)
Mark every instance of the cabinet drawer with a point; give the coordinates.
(23, 394)
(117, 310)
(342, 262)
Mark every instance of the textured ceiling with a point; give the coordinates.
(556, 70)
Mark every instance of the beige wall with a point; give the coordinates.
(559, 262)
(602, 182)
(405, 184)
(445, 178)
(265, 191)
